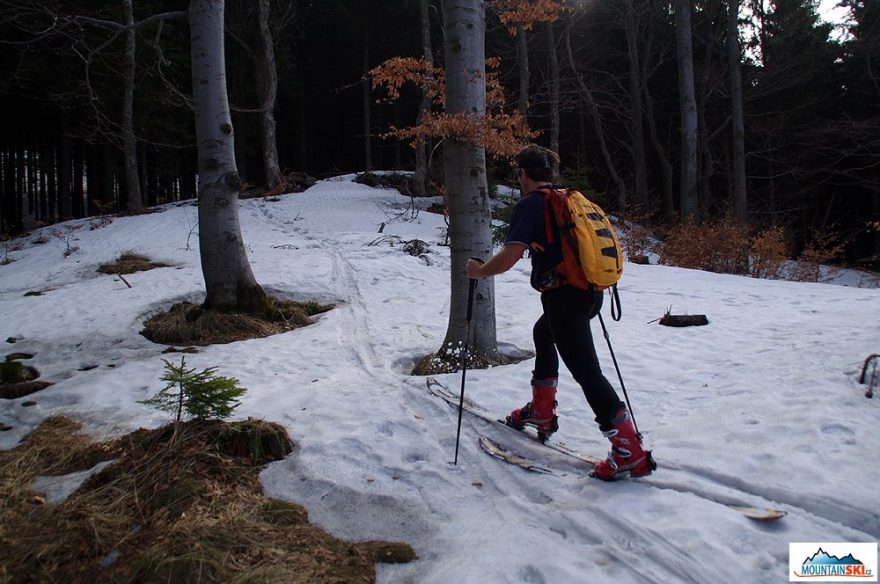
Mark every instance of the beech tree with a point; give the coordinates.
(468, 119)
(229, 280)
(470, 220)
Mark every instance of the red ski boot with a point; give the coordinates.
(626, 458)
(540, 412)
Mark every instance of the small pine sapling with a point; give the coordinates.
(202, 396)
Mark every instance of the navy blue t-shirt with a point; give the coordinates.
(528, 227)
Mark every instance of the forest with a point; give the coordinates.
(677, 111)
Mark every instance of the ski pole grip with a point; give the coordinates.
(472, 284)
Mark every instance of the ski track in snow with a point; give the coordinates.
(703, 482)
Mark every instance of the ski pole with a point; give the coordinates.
(619, 376)
(472, 284)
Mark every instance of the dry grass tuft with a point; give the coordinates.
(187, 323)
(183, 506)
(129, 263)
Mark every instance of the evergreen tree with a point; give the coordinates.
(201, 396)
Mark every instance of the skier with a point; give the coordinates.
(564, 326)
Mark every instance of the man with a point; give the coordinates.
(564, 327)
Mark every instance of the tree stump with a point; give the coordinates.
(684, 320)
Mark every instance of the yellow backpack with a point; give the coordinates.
(591, 254)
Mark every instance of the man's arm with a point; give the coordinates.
(498, 263)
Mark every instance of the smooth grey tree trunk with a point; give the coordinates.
(470, 231)
(133, 199)
(688, 102)
(229, 281)
(268, 94)
(740, 197)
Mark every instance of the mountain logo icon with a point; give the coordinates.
(823, 557)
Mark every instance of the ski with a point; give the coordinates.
(495, 450)
(501, 452)
(441, 391)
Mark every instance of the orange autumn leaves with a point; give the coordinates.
(499, 132)
(526, 13)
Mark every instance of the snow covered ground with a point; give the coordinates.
(762, 405)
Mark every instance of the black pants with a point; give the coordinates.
(565, 327)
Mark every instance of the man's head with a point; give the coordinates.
(539, 164)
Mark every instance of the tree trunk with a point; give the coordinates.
(653, 133)
(65, 174)
(635, 105)
(740, 199)
(470, 231)
(302, 141)
(8, 200)
(554, 89)
(268, 95)
(108, 194)
(688, 102)
(50, 172)
(421, 175)
(365, 101)
(229, 281)
(78, 195)
(522, 60)
(133, 201)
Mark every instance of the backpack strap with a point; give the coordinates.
(548, 213)
(617, 314)
(547, 192)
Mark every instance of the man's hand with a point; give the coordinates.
(474, 268)
(498, 263)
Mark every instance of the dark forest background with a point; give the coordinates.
(811, 103)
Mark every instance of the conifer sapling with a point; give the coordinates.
(203, 396)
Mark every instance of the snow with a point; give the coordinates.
(762, 406)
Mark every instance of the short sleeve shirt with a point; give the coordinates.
(527, 227)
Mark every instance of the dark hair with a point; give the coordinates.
(538, 162)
